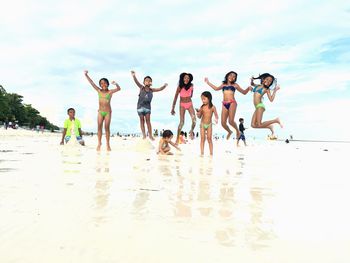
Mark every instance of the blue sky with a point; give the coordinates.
(45, 46)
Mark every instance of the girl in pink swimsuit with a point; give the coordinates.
(185, 89)
(229, 104)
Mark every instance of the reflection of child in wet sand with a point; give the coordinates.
(164, 142)
(266, 80)
(72, 127)
(205, 113)
(104, 111)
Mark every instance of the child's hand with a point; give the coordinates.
(133, 73)
(206, 80)
(172, 112)
(61, 143)
(114, 83)
(252, 80)
(165, 85)
(86, 72)
(277, 87)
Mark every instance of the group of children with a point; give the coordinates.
(185, 91)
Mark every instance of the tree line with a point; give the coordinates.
(13, 109)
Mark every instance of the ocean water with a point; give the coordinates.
(268, 202)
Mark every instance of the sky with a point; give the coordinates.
(46, 45)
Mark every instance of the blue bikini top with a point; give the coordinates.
(258, 90)
(232, 88)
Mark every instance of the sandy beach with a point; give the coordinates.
(268, 202)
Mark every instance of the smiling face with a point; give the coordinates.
(232, 77)
(147, 82)
(104, 84)
(186, 79)
(267, 81)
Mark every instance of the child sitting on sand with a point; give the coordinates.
(205, 113)
(164, 142)
(72, 127)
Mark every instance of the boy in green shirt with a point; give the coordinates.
(72, 127)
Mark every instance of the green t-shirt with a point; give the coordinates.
(72, 127)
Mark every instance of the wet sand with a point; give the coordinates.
(268, 202)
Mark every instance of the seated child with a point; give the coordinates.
(164, 142)
(72, 127)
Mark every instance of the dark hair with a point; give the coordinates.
(264, 76)
(147, 77)
(226, 77)
(167, 134)
(70, 109)
(208, 95)
(99, 83)
(181, 81)
(241, 119)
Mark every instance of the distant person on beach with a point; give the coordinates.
(164, 148)
(241, 130)
(185, 90)
(205, 113)
(266, 80)
(144, 103)
(104, 111)
(229, 103)
(72, 127)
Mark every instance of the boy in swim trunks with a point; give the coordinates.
(72, 127)
(241, 130)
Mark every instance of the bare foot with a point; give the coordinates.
(279, 122)
(191, 135)
(144, 137)
(237, 134)
(151, 138)
(228, 135)
(109, 148)
(98, 147)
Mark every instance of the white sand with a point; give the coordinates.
(268, 202)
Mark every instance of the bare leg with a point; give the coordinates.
(266, 124)
(149, 126)
(224, 116)
(142, 126)
(107, 129)
(210, 140)
(232, 113)
(181, 124)
(99, 131)
(202, 140)
(193, 117)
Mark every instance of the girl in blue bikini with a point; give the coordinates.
(229, 104)
(266, 80)
(104, 110)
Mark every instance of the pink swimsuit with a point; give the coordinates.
(185, 94)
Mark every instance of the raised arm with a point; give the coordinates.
(117, 87)
(272, 97)
(135, 79)
(206, 80)
(243, 91)
(161, 88)
(175, 99)
(91, 82)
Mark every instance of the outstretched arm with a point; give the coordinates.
(243, 91)
(174, 101)
(91, 82)
(174, 145)
(272, 97)
(117, 87)
(135, 79)
(161, 88)
(206, 80)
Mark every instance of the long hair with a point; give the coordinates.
(181, 81)
(225, 81)
(264, 76)
(208, 95)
